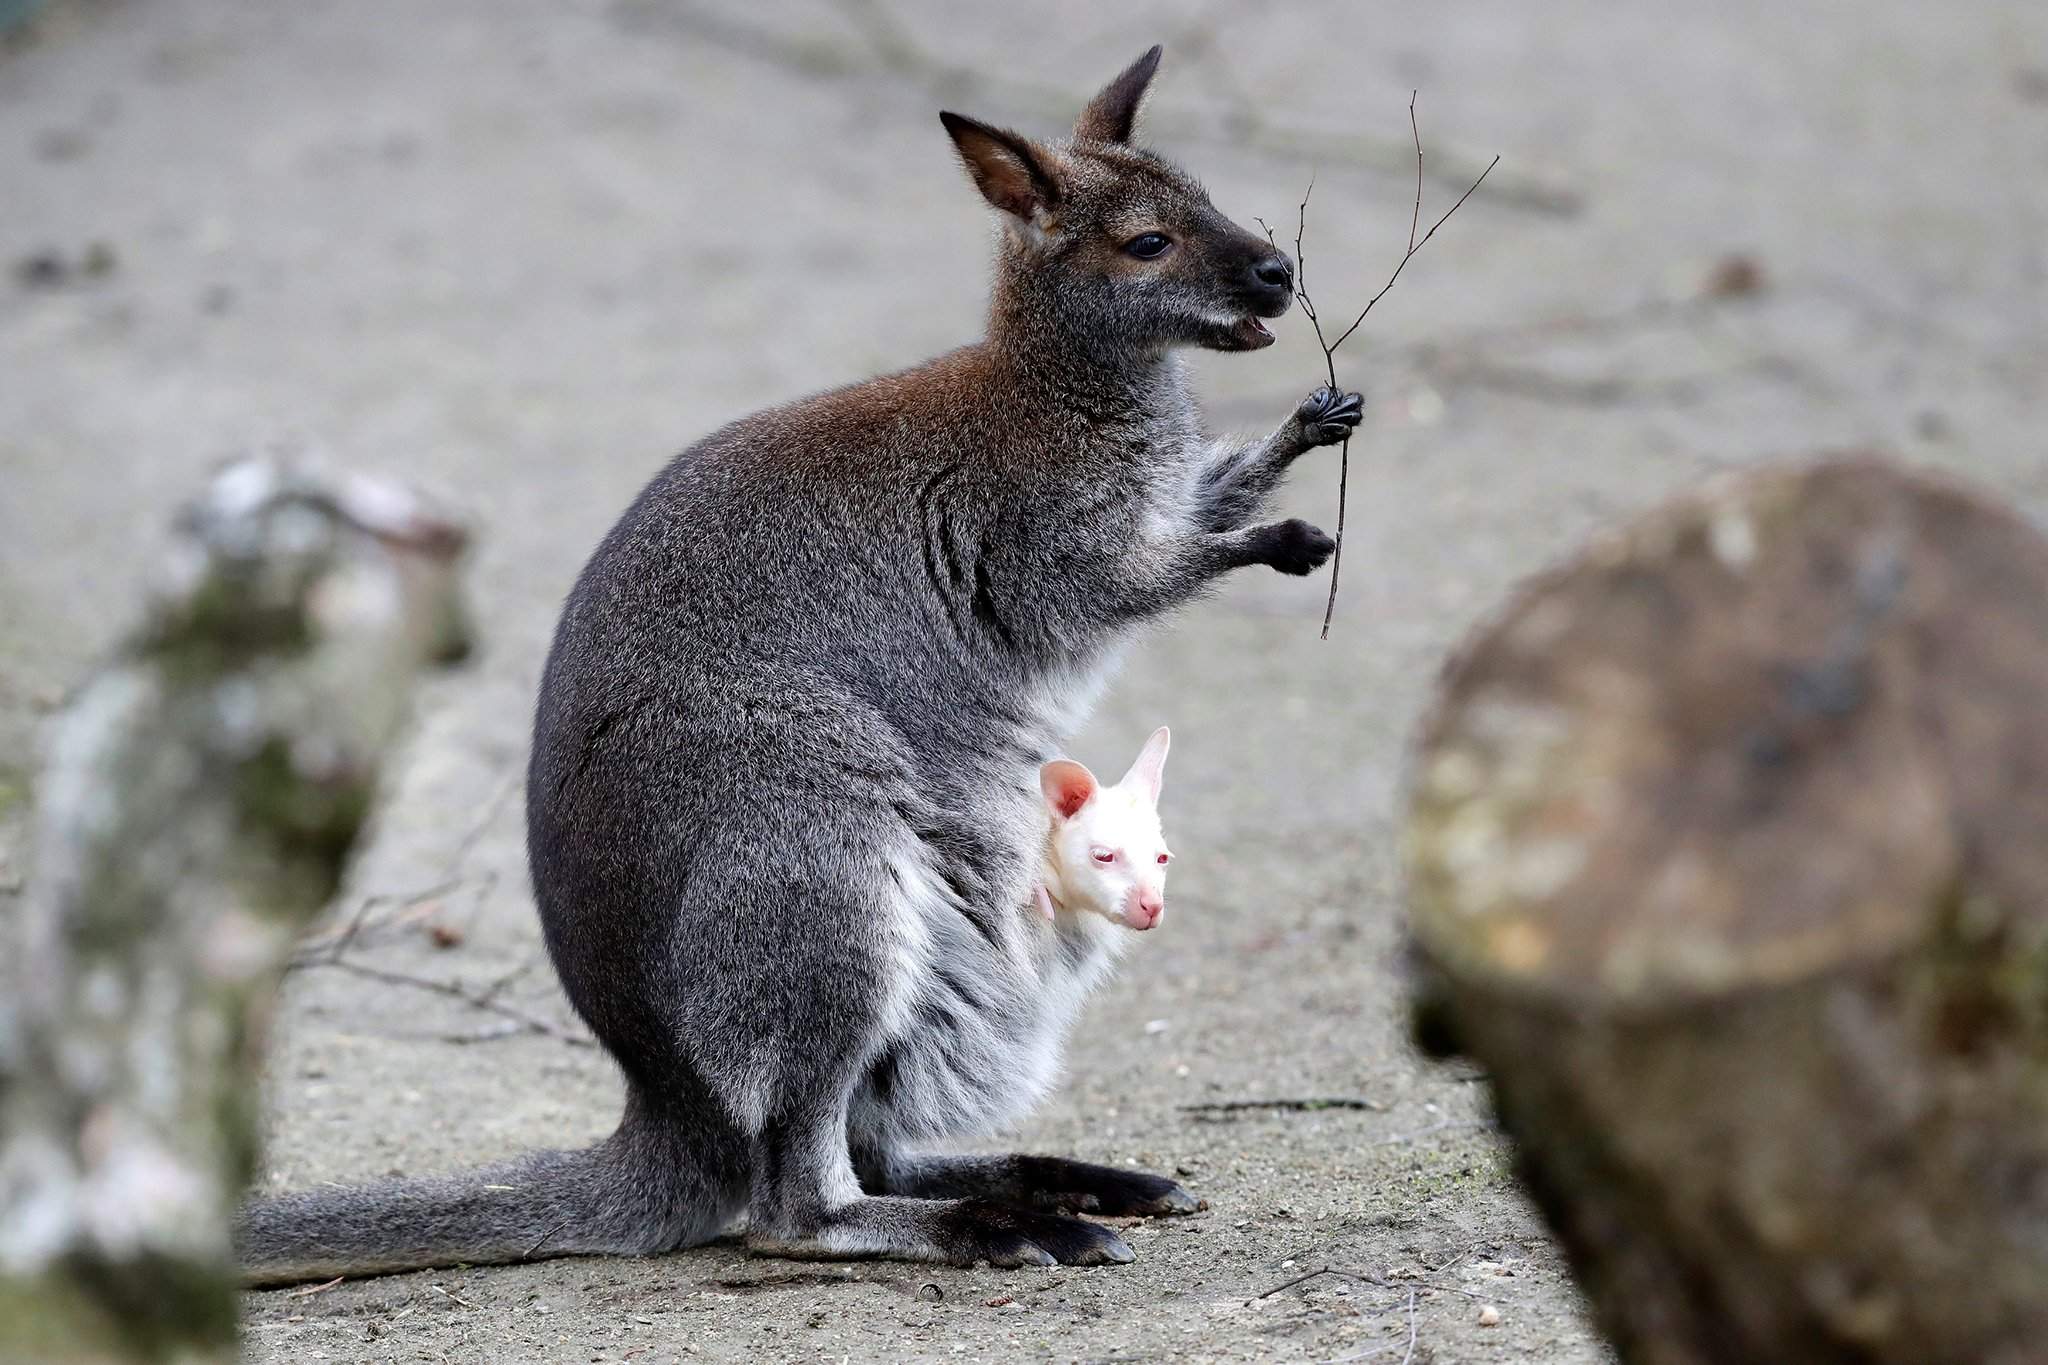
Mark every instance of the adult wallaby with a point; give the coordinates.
(782, 807)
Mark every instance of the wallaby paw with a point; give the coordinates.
(1154, 1196)
(1294, 547)
(1077, 1187)
(1136, 1195)
(1329, 415)
(982, 1230)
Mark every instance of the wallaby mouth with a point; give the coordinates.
(1248, 333)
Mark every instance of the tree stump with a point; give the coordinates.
(203, 792)
(1728, 858)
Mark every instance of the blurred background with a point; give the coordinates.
(524, 251)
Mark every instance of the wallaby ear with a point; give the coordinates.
(1111, 115)
(1067, 786)
(1012, 172)
(1149, 772)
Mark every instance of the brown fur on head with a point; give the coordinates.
(1113, 245)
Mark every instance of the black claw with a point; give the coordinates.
(1328, 415)
(1082, 1187)
(983, 1230)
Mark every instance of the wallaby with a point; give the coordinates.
(782, 774)
(1104, 852)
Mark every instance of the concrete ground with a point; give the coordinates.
(524, 251)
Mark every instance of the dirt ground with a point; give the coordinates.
(525, 250)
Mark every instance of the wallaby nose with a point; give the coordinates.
(1275, 272)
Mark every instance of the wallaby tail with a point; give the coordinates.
(629, 1195)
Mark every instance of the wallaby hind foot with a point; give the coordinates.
(960, 1232)
(1039, 1182)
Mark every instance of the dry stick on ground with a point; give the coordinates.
(1308, 308)
(410, 904)
(485, 1000)
(1306, 1105)
(202, 796)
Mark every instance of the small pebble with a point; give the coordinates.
(1732, 277)
(1489, 1316)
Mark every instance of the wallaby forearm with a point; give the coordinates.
(1232, 491)
(1234, 488)
(1179, 568)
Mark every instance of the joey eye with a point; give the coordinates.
(1148, 246)
(1102, 855)
(1165, 858)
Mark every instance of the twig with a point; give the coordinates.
(1458, 1259)
(504, 1028)
(1302, 1278)
(530, 1251)
(451, 1294)
(331, 948)
(1306, 1105)
(1329, 347)
(482, 1000)
(307, 1291)
(1378, 1281)
(334, 945)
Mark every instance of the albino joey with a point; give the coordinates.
(1105, 853)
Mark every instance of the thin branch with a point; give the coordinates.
(483, 1000)
(307, 1291)
(545, 1237)
(1291, 1104)
(1411, 252)
(1415, 131)
(1330, 347)
(1284, 1285)
(329, 949)
(334, 945)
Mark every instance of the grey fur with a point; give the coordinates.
(781, 819)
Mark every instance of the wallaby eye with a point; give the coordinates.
(1165, 858)
(1148, 246)
(1102, 855)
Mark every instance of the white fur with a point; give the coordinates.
(1121, 821)
(1001, 1047)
